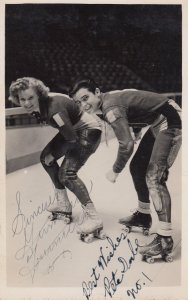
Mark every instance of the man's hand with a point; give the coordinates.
(111, 176)
(49, 159)
(137, 136)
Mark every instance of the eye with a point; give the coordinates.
(31, 97)
(85, 98)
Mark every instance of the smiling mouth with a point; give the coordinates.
(87, 107)
(29, 108)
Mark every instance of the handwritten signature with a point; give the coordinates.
(139, 284)
(65, 253)
(21, 222)
(116, 278)
(32, 252)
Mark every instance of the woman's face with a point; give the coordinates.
(29, 100)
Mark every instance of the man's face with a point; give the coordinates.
(88, 101)
(29, 100)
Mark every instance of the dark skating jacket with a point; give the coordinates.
(125, 108)
(61, 112)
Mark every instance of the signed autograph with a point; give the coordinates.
(32, 251)
(140, 283)
(112, 282)
(64, 254)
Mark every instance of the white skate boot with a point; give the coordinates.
(61, 209)
(91, 225)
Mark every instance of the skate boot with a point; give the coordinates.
(61, 209)
(137, 219)
(91, 225)
(161, 246)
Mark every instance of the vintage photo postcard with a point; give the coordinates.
(93, 171)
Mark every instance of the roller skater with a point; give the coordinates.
(138, 219)
(157, 149)
(91, 226)
(61, 209)
(161, 246)
(78, 137)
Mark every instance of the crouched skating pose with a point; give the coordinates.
(78, 138)
(156, 152)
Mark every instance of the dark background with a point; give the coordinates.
(120, 46)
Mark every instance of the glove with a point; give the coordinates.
(111, 176)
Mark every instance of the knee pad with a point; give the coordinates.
(164, 176)
(156, 174)
(70, 175)
(66, 176)
(69, 179)
(151, 174)
(47, 160)
(156, 178)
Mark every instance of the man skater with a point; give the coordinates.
(155, 155)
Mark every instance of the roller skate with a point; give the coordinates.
(61, 209)
(92, 225)
(139, 220)
(161, 246)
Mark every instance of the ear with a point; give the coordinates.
(97, 91)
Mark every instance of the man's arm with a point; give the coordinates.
(121, 129)
(126, 143)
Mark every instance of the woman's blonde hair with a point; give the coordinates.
(23, 84)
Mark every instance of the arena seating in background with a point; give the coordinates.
(59, 64)
(59, 45)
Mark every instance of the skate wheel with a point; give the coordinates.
(102, 235)
(89, 238)
(168, 258)
(80, 237)
(145, 232)
(52, 217)
(67, 221)
(127, 229)
(150, 260)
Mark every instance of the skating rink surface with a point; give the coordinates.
(41, 253)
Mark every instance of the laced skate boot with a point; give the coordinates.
(61, 209)
(91, 225)
(137, 219)
(161, 246)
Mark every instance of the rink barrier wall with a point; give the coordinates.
(24, 142)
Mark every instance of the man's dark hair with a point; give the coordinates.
(87, 83)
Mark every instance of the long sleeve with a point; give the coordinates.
(121, 129)
(63, 123)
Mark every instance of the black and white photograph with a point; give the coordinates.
(93, 148)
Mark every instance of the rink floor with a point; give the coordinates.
(41, 253)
